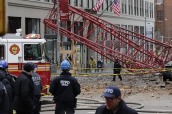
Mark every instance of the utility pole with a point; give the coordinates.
(58, 35)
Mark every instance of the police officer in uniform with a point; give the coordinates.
(8, 81)
(24, 91)
(65, 88)
(114, 103)
(37, 90)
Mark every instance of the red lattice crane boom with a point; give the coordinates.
(132, 49)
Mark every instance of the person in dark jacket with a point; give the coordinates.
(4, 100)
(8, 81)
(65, 88)
(117, 70)
(24, 91)
(100, 64)
(114, 103)
(37, 90)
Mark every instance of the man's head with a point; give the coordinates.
(28, 67)
(116, 61)
(65, 65)
(112, 97)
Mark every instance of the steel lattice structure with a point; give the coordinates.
(132, 49)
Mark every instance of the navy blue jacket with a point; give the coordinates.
(37, 84)
(8, 82)
(123, 109)
(65, 88)
(4, 100)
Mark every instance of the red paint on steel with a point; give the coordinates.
(112, 41)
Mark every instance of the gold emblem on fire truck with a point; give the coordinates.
(14, 49)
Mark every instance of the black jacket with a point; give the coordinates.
(8, 82)
(24, 93)
(117, 67)
(65, 88)
(4, 100)
(123, 109)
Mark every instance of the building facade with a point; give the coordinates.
(163, 20)
(136, 15)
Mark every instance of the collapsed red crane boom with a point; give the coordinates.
(132, 49)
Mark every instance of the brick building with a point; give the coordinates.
(163, 17)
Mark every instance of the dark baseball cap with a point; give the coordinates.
(28, 67)
(111, 91)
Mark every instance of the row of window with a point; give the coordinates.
(32, 25)
(130, 7)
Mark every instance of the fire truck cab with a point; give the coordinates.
(18, 50)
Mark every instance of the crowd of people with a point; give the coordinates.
(23, 93)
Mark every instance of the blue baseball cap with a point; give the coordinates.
(111, 91)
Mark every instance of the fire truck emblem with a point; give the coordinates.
(14, 49)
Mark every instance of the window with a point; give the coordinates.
(81, 3)
(32, 26)
(130, 7)
(75, 2)
(107, 5)
(49, 30)
(124, 7)
(13, 24)
(146, 9)
(102, 6)
(136, 8)
(46, 0)
(88, 3)
(92, 3)
(151, 10)
(142, 8)
(32, 52)
(159, 15)
(2, 52)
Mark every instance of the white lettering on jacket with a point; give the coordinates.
(64, 82)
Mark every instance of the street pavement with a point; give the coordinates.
(150, 103)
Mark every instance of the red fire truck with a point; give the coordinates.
(18, 50)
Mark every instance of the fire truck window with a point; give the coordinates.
(2, 52)
(32, 52)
